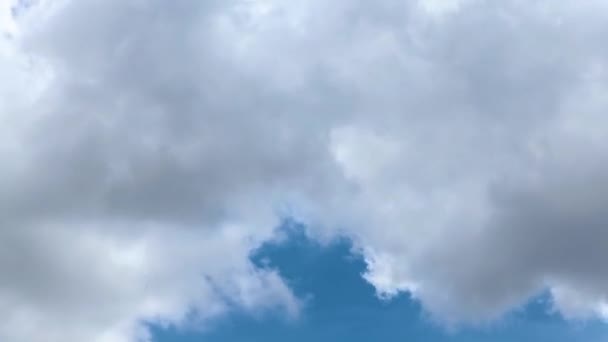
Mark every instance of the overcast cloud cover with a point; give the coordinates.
(148, 147)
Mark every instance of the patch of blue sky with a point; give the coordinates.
(342, 306)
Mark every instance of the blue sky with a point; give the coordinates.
(342, 306)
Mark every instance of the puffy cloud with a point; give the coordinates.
(75, 282)
(148, 147)
(482, 178)
(138, 174)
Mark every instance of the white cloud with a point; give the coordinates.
(147, 147)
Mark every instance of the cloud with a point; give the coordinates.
(481, 169)
(148, 148)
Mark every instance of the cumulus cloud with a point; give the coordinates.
(148, 147)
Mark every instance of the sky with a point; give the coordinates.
(341, 306)
(445, 163)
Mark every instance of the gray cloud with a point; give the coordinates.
(460, 144)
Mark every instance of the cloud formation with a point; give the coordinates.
(149, 146)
